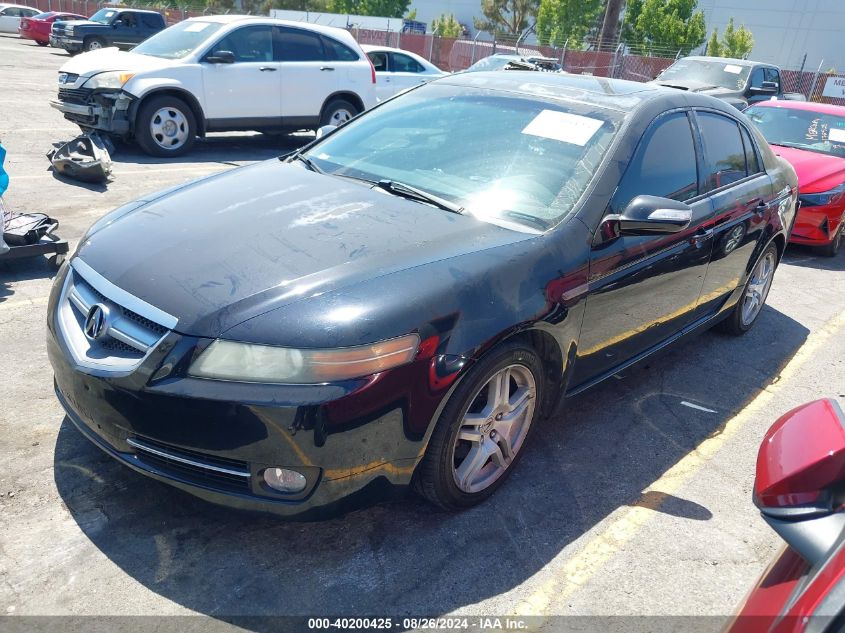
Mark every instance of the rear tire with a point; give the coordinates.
(93, 44)
(165, 126)
(831, 249)
(744, 314)
(337, 112)
(40, 43)
(482, 430)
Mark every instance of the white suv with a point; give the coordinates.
(215, 74)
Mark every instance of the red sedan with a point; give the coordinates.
(800, 490)
(38, 26)
(811, 136)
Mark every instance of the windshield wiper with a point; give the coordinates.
(308, 162)
(412, 193)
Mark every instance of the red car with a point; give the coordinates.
(38, 26)
(811, 136)
(800, 490)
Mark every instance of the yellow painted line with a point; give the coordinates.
(602, 547)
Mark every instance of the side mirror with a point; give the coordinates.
(800, 482)
(766, 88)
(647, 215)
(325, 129)
(221, 57)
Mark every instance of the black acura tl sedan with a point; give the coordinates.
(398, 303)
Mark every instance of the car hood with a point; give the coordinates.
(107, 59)
(816, 172)
(216, 253)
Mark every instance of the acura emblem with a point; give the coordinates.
(97, 321)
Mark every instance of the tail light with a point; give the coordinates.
(372, 69)
(24, 24)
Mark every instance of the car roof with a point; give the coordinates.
(258, 19)
(821, 108)
(612, 94)
(124, 9)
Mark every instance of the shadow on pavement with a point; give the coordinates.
(16, 270)
(807, 257)
(405, 558)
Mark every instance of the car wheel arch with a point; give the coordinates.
(353, 98)
(178, 93)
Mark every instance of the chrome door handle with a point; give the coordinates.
(326, 68)
(702, 235)
(265, 69)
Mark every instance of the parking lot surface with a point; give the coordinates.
(634, 499)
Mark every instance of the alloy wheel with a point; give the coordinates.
(758, 288)
(340, 116)
(494, 428)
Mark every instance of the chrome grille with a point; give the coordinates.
(128, 335)
(75, 95)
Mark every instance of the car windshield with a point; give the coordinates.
(179, 40)
(494, 62)
(803, 129)
(103, 16)
(718, 74)
(504, 158)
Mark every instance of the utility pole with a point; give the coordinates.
(610, 25)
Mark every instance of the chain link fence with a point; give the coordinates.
(614, 60)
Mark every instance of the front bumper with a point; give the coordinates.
(354, 442)
(67, 43)
(105, 111)
(816, 225)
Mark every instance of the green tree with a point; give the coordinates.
(714, 47)
(664, 26)
(381, 8)
(736, 42)
(559, 21)
(506, 16)
(447, 26)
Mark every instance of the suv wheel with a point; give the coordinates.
(165, 126)
(337, 112)
(93, 44)
(482, 429)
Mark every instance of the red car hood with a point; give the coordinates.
(816, 172)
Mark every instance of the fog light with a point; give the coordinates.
(284, 480)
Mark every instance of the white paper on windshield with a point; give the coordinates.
(836, 135)
(733, 69)
(196, 27)
(562, 126)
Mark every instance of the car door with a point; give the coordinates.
(308, 79)
(125, 32)
(10, 20)
(645, 289)
(243, 94)
(384, 78)
(406, 72)
(741, 193)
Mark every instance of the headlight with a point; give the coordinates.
(69, 30)
(827, 197)
(113, 80)
(245, 362)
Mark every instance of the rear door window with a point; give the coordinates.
(379, 61)
(664, 164)
(298, 45)
(337, 52)
(723, 148)
(752, 163)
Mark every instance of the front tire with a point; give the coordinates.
(482, 429)
(165, 126)
(744, 314)
(93, 44)
(337, 112)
